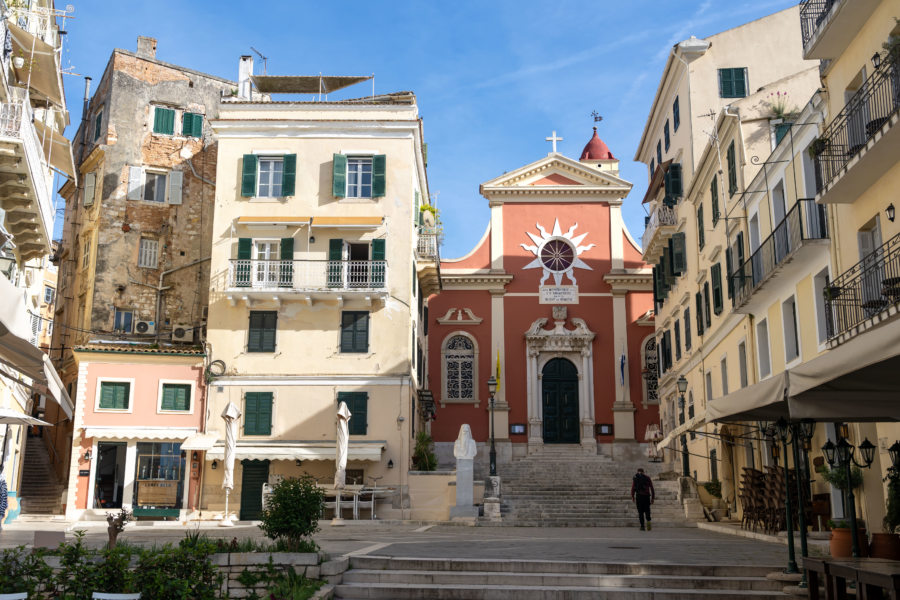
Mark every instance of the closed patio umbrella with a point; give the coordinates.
(343, 442)
(231, 414)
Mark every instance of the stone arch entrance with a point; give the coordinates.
(559, 402)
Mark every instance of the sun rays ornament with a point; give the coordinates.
(557, 253)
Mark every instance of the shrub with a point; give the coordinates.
(891, 520)
(22, 570)
(714, 488)
(423, 453)
(292, 513)
(838, 477)
(176, 573)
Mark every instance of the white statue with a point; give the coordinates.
(464, 447)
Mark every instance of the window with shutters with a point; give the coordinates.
(358, 404)
(271, 173)
(114, 394)
(192, 124)
(258, 413)
(652, 166)
(154, 187)
(687, 329)
(175, 396)
(733, 82)
(148, 253)
(715, 273)
(86, 251)
(742, 363)
(791, 339)
(163, 120)
(762, 348)
(651, 372)
(701, 233)
(90, 189)
(354, 331)
(98, 124)
(268, 177)
(659, 152)
(678, 252)
(49, 293)
(706, 311)
(666, 136)
(359, 177)
(261, 337)
(676, 115)
(714, 198)
(459, 356)
(732, 170)
(123, 320)
(677, 340)
(699, 298)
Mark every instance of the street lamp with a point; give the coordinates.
(842, 455)
(682, 385)
(894, 453)
(783, 429)
(802, 433)
(492, 389)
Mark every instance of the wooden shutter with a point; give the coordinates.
(339, 176)
(114, 395)
(163, 120)
(739, 76)
(732, 170)
(90, 188)
(289, 175)
(347, 320)
(729, 269)
(739, 252)
(357, 403)
(676, 181)
(197, 129)
(667, 268)
(250, 410)
(378, 262)
(715, 273)
(187, 123)
(726, 84)
(258, 413)
(714, 195)
(176, 397)
(248, 176)
(361, 332)
(269, 327)
(699, 298)
(657, 285)
(679, 253)
(98, 125)
(135, 183)
(687, 328)
(175, 183)
(263, 325)
(379, 170)
(701, 234)
(286, 269)
(417, 218)
(706, 310)
(242, 268)
(335, 264)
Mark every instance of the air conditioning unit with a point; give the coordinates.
(183, 333)
(145, 327)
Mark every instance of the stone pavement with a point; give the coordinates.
(681, 545)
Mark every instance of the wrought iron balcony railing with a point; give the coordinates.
(308, 275)
(869, 287)
(662, 216)
(812, 14)
(427, 246)
(16, 123)
(858, 122)
(805, 221)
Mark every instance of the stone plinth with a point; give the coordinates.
(464, 490)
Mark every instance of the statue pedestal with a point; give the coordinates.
(492, 509)
(464, 490)
(492, 498)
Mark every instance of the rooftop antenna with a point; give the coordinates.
(265, 59)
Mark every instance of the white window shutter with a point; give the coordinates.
(135, 182)
(90, 185)
(175, 178)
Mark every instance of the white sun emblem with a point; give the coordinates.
(557, 253)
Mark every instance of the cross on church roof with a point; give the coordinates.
(553, 139)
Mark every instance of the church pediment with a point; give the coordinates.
(557, 174)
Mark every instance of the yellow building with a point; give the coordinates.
(318, 280)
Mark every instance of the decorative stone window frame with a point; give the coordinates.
(475, 385)
(645, 391)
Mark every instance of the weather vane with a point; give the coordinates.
(596, 115)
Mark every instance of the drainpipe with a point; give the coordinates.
(160, 289)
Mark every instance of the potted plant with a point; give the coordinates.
(887, 544)
(840, 541)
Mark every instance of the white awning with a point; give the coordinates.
(139, 433)
(57, 148)
(301, 451)
(681, 429)
(763, 401)
(40, 69)
(200, 441)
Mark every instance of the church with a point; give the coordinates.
(555, 303)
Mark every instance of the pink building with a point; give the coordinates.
(135, 408)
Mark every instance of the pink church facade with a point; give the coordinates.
(556, 302)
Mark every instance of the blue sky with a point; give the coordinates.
(492, 79)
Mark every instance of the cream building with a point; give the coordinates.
(318, 280)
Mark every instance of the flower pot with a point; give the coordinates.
(885, 545)
(841, 546)
(18, 62)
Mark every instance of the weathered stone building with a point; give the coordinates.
(134, 257)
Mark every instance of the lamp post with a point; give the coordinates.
(842, 455)
(801, 433)
(492, 389)
(782, 428)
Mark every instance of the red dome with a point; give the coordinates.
(596, 149)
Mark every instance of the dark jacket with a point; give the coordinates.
(642, 486)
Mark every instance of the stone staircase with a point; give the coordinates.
(563, 487)
(479, 579)
(40, 490)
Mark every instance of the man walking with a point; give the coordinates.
(643, 495)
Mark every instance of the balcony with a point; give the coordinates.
(306, 279)
(660, 226)
(865, 294)
(828, 26)
(783, 256)
(25, 192)
(863, 141)
(428, 260)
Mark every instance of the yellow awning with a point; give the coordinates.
(348, 222)
(40, 64)
(57, 148)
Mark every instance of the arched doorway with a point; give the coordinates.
(559, 400)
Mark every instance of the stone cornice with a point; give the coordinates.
(475, 281)
(637, 280)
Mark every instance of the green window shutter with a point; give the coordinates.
(676, 182)
(726, 83)
(258, 413)
(687, 328)
(729, 269)
(714, 195)
(715, 273)
(347, 322)
(248, 176)
(739, 251)
(263, 325)
(250, 410)
(417, 219)
(378, 262)
(656, 295)
(197, 129)
(732, 170)
(269, 327)
(242, 268)
(289, 175)
(701, 233)
(114, 395)
(699, 298)
(176, 397)
(357, 403)
(667, 268)
(378, 249)
(679, 253)
(286, 268)
(163, 120)
(706, 311)
(339, 176)
(335, 266)
(739, 76)
(354, 331)
(187, 123)
(379, 171)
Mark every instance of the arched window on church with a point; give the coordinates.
(460, 366)
(651, 372)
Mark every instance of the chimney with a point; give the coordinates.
(146, 47)
(245, 71)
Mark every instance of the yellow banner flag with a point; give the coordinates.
(498, 369)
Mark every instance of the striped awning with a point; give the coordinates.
(273, 220)
(301, 451)
(348, 222)
(139, 433)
